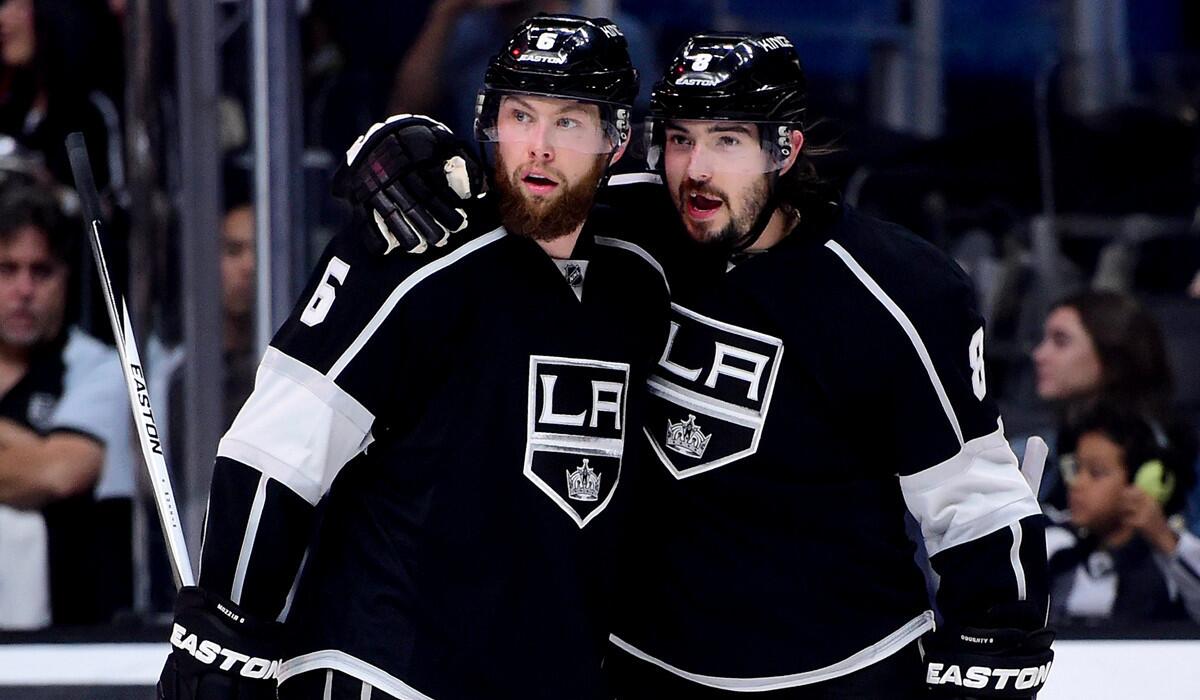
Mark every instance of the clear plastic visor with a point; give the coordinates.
(708, 146)
(549, 122)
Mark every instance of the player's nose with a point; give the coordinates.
(540, 146)
(699, 167)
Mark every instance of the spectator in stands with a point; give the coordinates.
(65, 453)
(1119, 558)
(237, 298)
(1102, 346)
(62, 72)
(440, 73)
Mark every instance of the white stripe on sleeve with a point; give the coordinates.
(909, 329)
(404, 288)
(298, 427)
(973, 494)
(1014, 556)
(243, 562)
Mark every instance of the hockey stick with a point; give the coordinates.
(131, 365)
(1034, 463)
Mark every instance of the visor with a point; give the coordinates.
(718, 145)
(503, 116)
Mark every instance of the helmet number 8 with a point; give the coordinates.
(545, 42)
(700, 61)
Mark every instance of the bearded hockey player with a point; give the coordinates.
(460, 418)
(832, 381)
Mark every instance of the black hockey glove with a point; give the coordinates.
(419, 183)
(988, 662)
(218, 652)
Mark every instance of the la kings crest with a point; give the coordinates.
(576, 432)
(710, 393)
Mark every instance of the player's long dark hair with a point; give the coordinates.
(802, 187)
(77, 49)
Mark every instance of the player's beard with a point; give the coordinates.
(741, 218)
(544, 219)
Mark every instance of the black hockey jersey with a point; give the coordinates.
(462, 419)
(819, 392)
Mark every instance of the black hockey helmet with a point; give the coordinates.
(733, 76)
(563, 56)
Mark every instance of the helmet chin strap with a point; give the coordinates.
(748, 239)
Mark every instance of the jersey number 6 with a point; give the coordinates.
(323, 298)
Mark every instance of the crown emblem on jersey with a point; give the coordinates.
(583, 484)
(686, 438)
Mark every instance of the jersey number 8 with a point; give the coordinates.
(978, 380)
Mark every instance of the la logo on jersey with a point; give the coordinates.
(710, 393)
(576, 432)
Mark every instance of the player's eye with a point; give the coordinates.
(521, 116)
(727, 141)
(7, 269)
(568, 123)
(679, 140)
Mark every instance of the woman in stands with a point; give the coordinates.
(1101, 346)
(61, 71)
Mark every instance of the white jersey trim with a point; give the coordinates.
(875, 653)
(243, 562)
(404, 288)
(1014, 555)
(332, 659)
(298, 427)
(634, 178)
(637, 250)
(909, 329)
(973, 494)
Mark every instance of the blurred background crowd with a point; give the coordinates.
(1051, 146)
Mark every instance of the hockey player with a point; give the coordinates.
(770, 554)
(462, 418)
(832, 381)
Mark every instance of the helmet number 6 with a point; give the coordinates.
(545, 42)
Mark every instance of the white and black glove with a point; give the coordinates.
(419, 183)
(988, 662)
(218, 652)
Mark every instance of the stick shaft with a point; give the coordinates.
(149, 437)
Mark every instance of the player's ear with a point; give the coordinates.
(797, 139)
